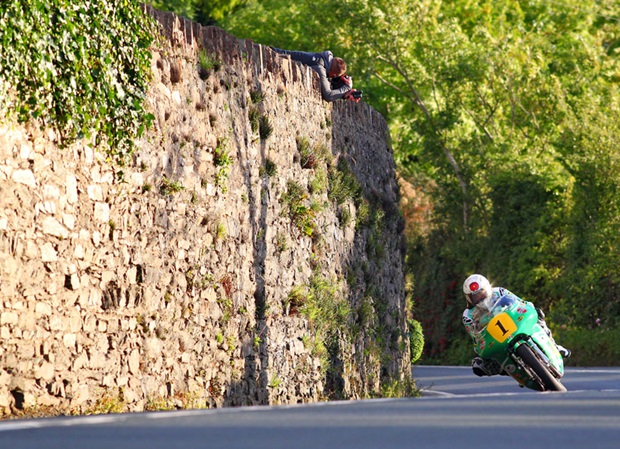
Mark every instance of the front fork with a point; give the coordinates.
(524, 339)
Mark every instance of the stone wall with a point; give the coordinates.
(172, 287)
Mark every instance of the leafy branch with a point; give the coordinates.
(81, 68)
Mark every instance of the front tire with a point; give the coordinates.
(550, 383)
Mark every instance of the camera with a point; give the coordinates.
(357, 94)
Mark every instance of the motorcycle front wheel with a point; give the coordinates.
(550, 383)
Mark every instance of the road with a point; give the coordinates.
(457, 410)
(448, 380)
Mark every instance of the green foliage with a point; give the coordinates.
(207, 12)
(181, 400)
(221, 158)
(256, 96)
(108, 403)
(221, 232)
(185, 8)
(416, 340)
(319, 184)
(207, 64)
(222, 161)
(260, 122)
(312, 156)
(80, 68)
(260, 20)
(298, 208)
(328, 313)
(399, 389)
(343, 184)
(327, 310)
(281, 242)
(168, 187)
(274, 382)
(265, 128)
(590, 347)
(254, 117)
(271, 169)
(344, 217)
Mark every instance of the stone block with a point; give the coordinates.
(75, 320)
(132, 274)
(44, 371)
(133, 362)
(79, 362)
(25, 177)
(90, 324)
(95, 193)
(69, 340)
(51, 226)
(102, 212)
(71, 189)
(56, 323)
(6, 400)
(51, 192)
(81, 395)
(27, 321)
(72, 281)
(97, 360)
(25, 351)
(46, 400)
(69, 221)
(130, 395)
(113, 326)
(8, 318)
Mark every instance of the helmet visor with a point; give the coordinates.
(479, 296)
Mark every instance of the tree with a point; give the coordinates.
(499, 104)
(206, 12)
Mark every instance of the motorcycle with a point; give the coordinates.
(514, 338)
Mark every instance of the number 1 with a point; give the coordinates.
(499, 324)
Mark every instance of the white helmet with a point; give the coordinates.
(477, 288)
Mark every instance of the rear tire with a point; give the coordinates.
(550, 383)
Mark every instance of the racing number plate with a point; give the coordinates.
(501, 327)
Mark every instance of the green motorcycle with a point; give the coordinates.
(512, 336)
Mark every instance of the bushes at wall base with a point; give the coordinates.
(416, 340)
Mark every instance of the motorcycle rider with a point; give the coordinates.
(479, 294)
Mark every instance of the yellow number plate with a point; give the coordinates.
(501, 327)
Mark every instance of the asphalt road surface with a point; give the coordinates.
(456, 411)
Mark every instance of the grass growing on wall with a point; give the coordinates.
(326, 309)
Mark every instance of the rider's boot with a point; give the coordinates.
(564, 352)
(477, 365)
(485, 367)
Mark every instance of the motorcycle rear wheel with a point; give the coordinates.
(550, 383)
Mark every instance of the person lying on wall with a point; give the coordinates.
(335, 84)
